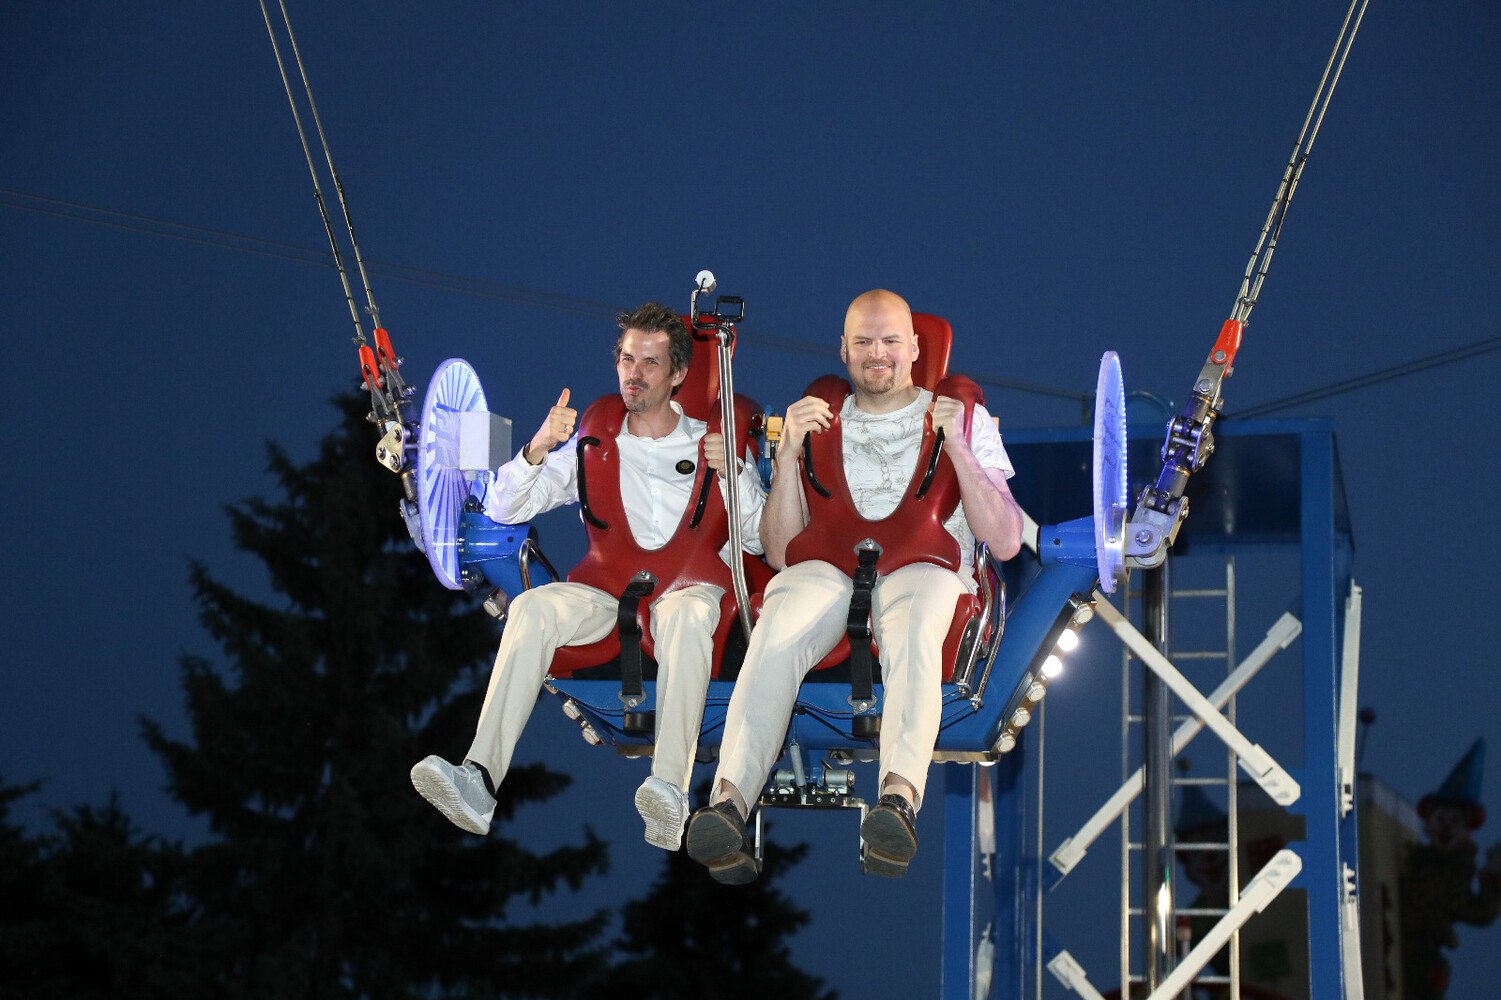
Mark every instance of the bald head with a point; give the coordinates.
(878, 305)
(879, 347)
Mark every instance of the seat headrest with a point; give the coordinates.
(935, 339)
(699, 393)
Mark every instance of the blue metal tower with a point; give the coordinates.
(1273, 486)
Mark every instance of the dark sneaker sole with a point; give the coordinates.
(889, 846)
(718, 845)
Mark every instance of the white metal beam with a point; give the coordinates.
(1349, 699)
(1265, 887)
(1277, 783)
(1278, 637)
(1072, 975)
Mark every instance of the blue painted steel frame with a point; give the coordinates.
(1259, 498)
(988, 895)
(1330, 841)
(964, 880)
(495, 550)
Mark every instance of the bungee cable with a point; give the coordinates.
(1190, 440)
(1260, 262)
(328, 229)
(333, 172)
(380, 367)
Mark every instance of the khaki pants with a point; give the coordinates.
(572, 614)
(805, 612)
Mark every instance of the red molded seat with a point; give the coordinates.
(929, 371)
(699, 397)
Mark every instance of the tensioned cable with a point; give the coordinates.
(328, 228)
(298, 254)
(1260, 262)
(224, 239)
(57, 208)
(1375, 377)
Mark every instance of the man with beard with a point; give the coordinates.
(658, 448)
(881, 425)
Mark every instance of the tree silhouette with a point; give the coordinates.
(327, 876)
(691, 937)
(94, 911)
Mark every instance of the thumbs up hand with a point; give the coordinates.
(557, 428)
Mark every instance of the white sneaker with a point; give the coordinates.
(458, 793)
(664, 807)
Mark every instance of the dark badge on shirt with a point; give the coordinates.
(685, 467)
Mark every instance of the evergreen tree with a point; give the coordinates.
(328, 876)
(93, 911)
(691, 937)
(20, 894)
(19, 853)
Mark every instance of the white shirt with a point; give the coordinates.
(652, 489)
(881, 455)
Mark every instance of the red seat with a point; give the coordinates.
(690, 556)
(929, 371)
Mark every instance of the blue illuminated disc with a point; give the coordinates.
(441, 486)
(1110, 473)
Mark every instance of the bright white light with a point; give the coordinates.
(1020, 717)
(1068, 641)
(1036, 690)
(1052, 667)
(1164, 907)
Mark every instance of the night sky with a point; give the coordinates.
(1056, 180)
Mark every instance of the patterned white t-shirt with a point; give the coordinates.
(881, 455)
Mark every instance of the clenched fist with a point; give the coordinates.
(809, 414)
(948, 416)
(714, 452)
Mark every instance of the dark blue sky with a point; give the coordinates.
(1057, 180)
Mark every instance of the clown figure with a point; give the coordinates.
(1440, 882)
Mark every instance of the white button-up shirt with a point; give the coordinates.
(654, 489)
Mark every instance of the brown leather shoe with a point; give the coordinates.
(717, 840)
(889, 836)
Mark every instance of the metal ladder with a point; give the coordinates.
(1132, 911)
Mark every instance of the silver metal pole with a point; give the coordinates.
(725, 337)
(1157, 850)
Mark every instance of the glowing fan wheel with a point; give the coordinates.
(1109, 467)
(442, 485)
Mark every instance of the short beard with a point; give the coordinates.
(878, 385)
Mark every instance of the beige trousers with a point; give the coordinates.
(572, 614)
(805, 612)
